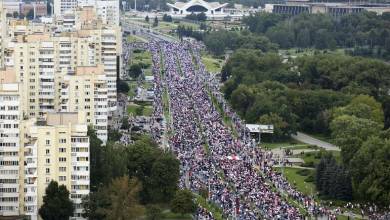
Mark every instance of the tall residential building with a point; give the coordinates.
(35, 151)
(86, 90)
(42, 58)
(107, 10)
(3, 33)
(63, 6)
(55, 149)
(10, 149)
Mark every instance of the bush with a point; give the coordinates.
(153, 212)
(204, 192)
(308, 164)
(309, 179)
(304, 172)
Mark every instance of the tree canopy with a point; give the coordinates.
(56, 203)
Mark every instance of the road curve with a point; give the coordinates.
(302, 137)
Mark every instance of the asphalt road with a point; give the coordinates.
(302, 137)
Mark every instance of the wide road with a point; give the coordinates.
(302, 137)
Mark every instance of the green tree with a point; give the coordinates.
(183, 202)
(370, 171)
(123, 87)
(147, 19)
(280, 126)
(56, 203)
(349, 132)
(93, 205)
(155, 22)
(122, 195)
(30, 14)
(164, 178)
(153, 212)
(95, 148)
(135, 71)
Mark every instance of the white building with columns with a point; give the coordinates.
(211, 9)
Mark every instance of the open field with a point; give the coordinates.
(213, 65)
(298, 180)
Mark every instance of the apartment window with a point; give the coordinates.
(47, 142)
(62, 169)
(62, 150)
(48, 160)
(62, 178)
(62, 159)
(62, 140)
(47, 170)
(47, 151)
(47, 179)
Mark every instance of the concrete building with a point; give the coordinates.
(35, 151)
(294, 7)
(86, 90)
(107, 10)
(3, 34)
(39, 8)
(45, 61)
(56, 148)
(10, 148)
(12, 6)
(197, 6)
(62, 7)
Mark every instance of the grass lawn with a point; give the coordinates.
(142, 57)
(212, 64)
(134, 38)
(294, 178)
(133, 88)
(216, 211)
(314, 157)
(173, 216)
(291, 142)
(138, 110)
(148, 111)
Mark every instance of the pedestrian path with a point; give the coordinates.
(302, 137)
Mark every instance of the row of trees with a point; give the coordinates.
(127, 180)
(324, 93)
(305, 89)
(333, 180)
(365, 147)
(322, 31)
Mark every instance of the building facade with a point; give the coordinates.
(55, 149)
(10, 148)
(107, 10)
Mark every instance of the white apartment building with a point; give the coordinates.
(86, 90)
(10, 149)
(107, 10)
(64, 6)
(55, 149)
(3, 33)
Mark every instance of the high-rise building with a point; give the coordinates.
(10, 149)
(86, 90)
(35, 151)
(56, 148)
(64, 6)
(107, 10)
(3, 33)
(41, 59)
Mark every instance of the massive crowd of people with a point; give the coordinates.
(237, 175)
